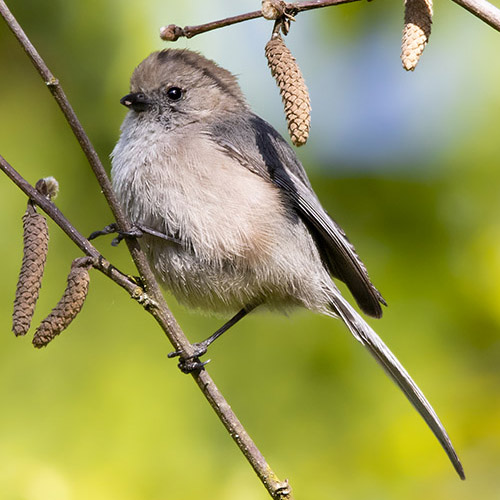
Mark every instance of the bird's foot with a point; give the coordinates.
(193, 363)
(134, 232)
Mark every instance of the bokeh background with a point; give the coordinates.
(408, 164)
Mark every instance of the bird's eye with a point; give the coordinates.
(174, 93)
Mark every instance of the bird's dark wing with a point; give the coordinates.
(257, 146)
(261, 149)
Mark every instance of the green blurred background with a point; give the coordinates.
(407, 163)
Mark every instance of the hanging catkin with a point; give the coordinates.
(292, 87)
(416, 31)
(70, 304)
(36, 244)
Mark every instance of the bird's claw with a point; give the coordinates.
(193, 363)
(109, 229)
(134, 232)
(199, 349)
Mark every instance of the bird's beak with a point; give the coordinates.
(137, 101)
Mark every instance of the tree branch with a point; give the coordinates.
(484, 10)
(173, 32)
(480, 8)
(276, 488)
(279, 490)
(80, 241)
(173, 330)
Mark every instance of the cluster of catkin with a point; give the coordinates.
(35, 249)
(285, 70)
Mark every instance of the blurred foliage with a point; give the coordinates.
(103, 414)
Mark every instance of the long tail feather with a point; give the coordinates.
(366, 336)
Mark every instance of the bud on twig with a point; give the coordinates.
(416, 31)
(293, 90)
(272, 9)
(36, 244)
(48, 186)
(171, 33)
(70, 304)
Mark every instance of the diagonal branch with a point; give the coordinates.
(80, 241)
(173, 330)
(483, 10)
(276, 488)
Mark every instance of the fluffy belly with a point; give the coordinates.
(288, 274)
(213, 284)
(241, 244)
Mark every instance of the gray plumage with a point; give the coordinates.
(195, 163)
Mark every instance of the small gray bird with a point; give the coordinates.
(231, 221)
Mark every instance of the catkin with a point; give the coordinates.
(416, 31)
(36, 244)
(70, 304)
(292, 87)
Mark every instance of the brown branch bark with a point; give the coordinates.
(80, 241)
(483, 10)
(173, 32)
(278, 489)
(159, 310)
(480, 8)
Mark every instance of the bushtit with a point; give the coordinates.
(241, 224)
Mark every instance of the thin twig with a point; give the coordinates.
(173, 32)
(276, 488)
(81, 242)
(480, 8)
(484, 10)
